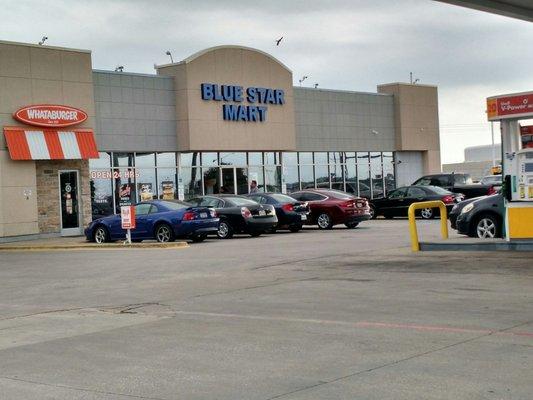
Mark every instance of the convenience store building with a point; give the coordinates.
(76, 140)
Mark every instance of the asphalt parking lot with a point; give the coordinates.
(342, 314)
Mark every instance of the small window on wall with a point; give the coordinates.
(189, 159)
(144, 160)
(166, 159)
(235, 158)
(166, 183)
(190, 182)
(290, 158)
(101, 193)
(321, 157)
(209, 159)
(255, 158)
(306, 158)
(336, 157)
(103, 161)
(123, 160)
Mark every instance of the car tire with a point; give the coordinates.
(373, 213)
(199, 238)
(324, 221)
(101, 235)
(295, 229)
(164, 233)
(486, 226)
(427, 213)
(351, 225)
(225, 231)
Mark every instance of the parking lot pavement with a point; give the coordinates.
(341, 314)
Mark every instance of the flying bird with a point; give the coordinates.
(278, 41)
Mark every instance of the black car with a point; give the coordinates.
(397, 203)
(291, 213)
(457, 183)
(456, 210)
(482, 218)
(238, 214)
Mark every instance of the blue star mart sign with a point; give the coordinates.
(257, 97)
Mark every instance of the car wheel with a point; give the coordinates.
(225, 231)
(487, 227)
(351, 225)
(100, 235)
(324, 221)
(295, 228)
(427, 213)
(373, 214)
(199, 238)
(164, 234)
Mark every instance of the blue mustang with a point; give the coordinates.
(161, 220)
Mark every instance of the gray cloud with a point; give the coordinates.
(341, 44)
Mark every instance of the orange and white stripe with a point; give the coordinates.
(47, 144)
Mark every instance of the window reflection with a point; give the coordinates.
(166, 183)
(290, 173)
(236, 158)
(166, 159)
(190, 183)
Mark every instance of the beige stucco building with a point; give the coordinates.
(215, 121)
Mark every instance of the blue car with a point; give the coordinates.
(161, 220)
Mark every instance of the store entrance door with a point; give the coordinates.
(234, 180)
(69, 200)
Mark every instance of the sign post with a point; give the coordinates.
(127, 211)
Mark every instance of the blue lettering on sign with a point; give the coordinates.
(235, 93)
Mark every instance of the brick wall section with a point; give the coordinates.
(48, 192)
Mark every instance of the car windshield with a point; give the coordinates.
(174, 205)
(491, 180)
(281, 198)
(240, 201)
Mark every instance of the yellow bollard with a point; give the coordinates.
(415, 245)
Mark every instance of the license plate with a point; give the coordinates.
(262, 212)
(304, 217)
(203, 215)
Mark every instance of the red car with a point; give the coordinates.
(332, 207)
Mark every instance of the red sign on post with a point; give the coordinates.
(510, 106)
(127, 217)
(49, 115)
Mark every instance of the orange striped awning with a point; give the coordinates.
(49, 144)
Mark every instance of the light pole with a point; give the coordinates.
(493, 149)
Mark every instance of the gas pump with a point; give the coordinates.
(517, 162)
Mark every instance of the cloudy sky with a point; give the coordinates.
(344, 44)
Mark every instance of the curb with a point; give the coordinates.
(109, 246)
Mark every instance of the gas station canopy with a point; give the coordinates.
(520, 9)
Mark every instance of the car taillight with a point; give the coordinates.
(189, 216)
(348, 204)
(288, 207)
(492, 190)
(448, 199)
(245, 212)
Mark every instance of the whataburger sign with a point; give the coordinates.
(48, 115)
(517, 105)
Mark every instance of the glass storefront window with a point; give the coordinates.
(101, 193)
(233, 159)
(388, 171)
(307, 178)
(166, 183)
(144, 160)
(290, 174)
(290, 158)
(122, 159)
(273, 178)
(321, 157)
(376, 169)
(255, 158)
(271, 158)
(335, 172)
(256, 174)
(336, 157)
(350, 173)
(124, 185)
(166, 159)
(211, 180)
(189, 159)
(104, 161)
(363, 178)
(306, 157)
(146, 184)
(322, 176)
(191, 182)
(209, 159)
